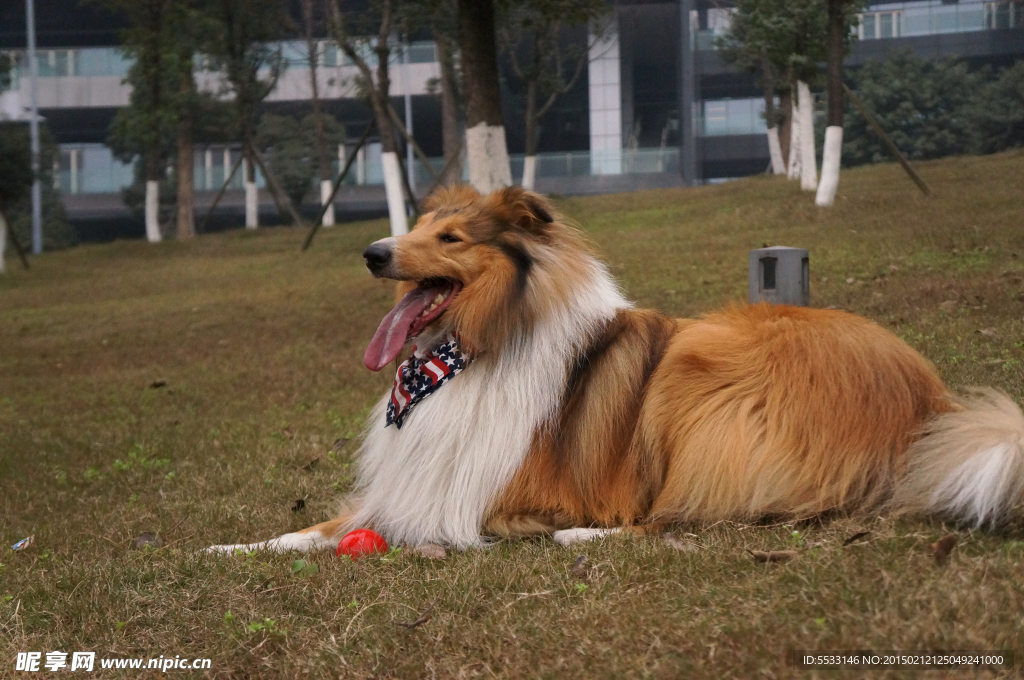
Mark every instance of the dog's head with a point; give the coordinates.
(464, 267)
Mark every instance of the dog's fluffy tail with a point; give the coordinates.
(968, 466)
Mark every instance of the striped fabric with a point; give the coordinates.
(421, 374)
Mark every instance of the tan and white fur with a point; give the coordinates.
(581, 416)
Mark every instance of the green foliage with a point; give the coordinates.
(161, 39)
(239, 42)
(791, 34)
(934, 108)
(530, 33)
(782, 40)
(6, 67)
(15, 163)
(289, 147)
(996, 115)
(16, 184)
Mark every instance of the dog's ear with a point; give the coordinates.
(529, 211)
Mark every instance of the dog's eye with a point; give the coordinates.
(449, 238)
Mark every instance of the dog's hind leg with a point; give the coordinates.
(519, 526)
(317, 537)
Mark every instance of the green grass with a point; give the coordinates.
(260, 347)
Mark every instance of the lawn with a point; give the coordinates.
(198, 391)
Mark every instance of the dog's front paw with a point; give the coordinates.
(580, 535)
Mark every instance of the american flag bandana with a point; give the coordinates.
(421, 374)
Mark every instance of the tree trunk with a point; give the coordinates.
(530, 162)
(793, 171)
(252, 199)
(451, 138)
(153, 211)
(186, 162)
(323, 165)
(389, 150)
(785, 123)
(831, 157)
(808, 159)
(486, 149)
(3, 242)
(774, 148)
(151, 57)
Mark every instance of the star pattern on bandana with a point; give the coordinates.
(421, 375)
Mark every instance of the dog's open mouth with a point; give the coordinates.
(411, 315)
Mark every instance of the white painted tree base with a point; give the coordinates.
(487, 155)
(808, 159)
(393, 191)
(830, 162)
(153, 211)
(775, 149)
(529, 172)
(252, 206)
(793, 171)
(326, 186)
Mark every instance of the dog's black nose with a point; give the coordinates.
(377, 256)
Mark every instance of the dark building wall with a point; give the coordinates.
(649, 46)
(59, 23)
(565, 127)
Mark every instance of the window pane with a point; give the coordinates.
(944, 19)
(94, 61)
(46, 69)
(714, 119)
(885, 25)
(971, 18)
(869, 26)
(915, 21)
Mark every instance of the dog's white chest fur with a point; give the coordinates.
(434, 479)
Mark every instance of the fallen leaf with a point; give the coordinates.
(308, 467)
(147, 538)
(580, 568)
(681, 546)
(987, 332)
(948, 305)
(850, 280)
(856, 537)
(339, 444)
(942, 547)
(431, 551)
(157, 384)
(893, 268)
(299, 505)
(772, 555)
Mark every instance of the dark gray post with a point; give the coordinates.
(780, 276)
(687, 88)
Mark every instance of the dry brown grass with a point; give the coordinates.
(260, 347)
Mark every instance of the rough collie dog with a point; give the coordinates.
(539, 401)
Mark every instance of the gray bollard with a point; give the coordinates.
(780, 275)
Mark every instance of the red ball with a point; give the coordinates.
(361, 542)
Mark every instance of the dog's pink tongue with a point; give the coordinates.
(394, 329)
